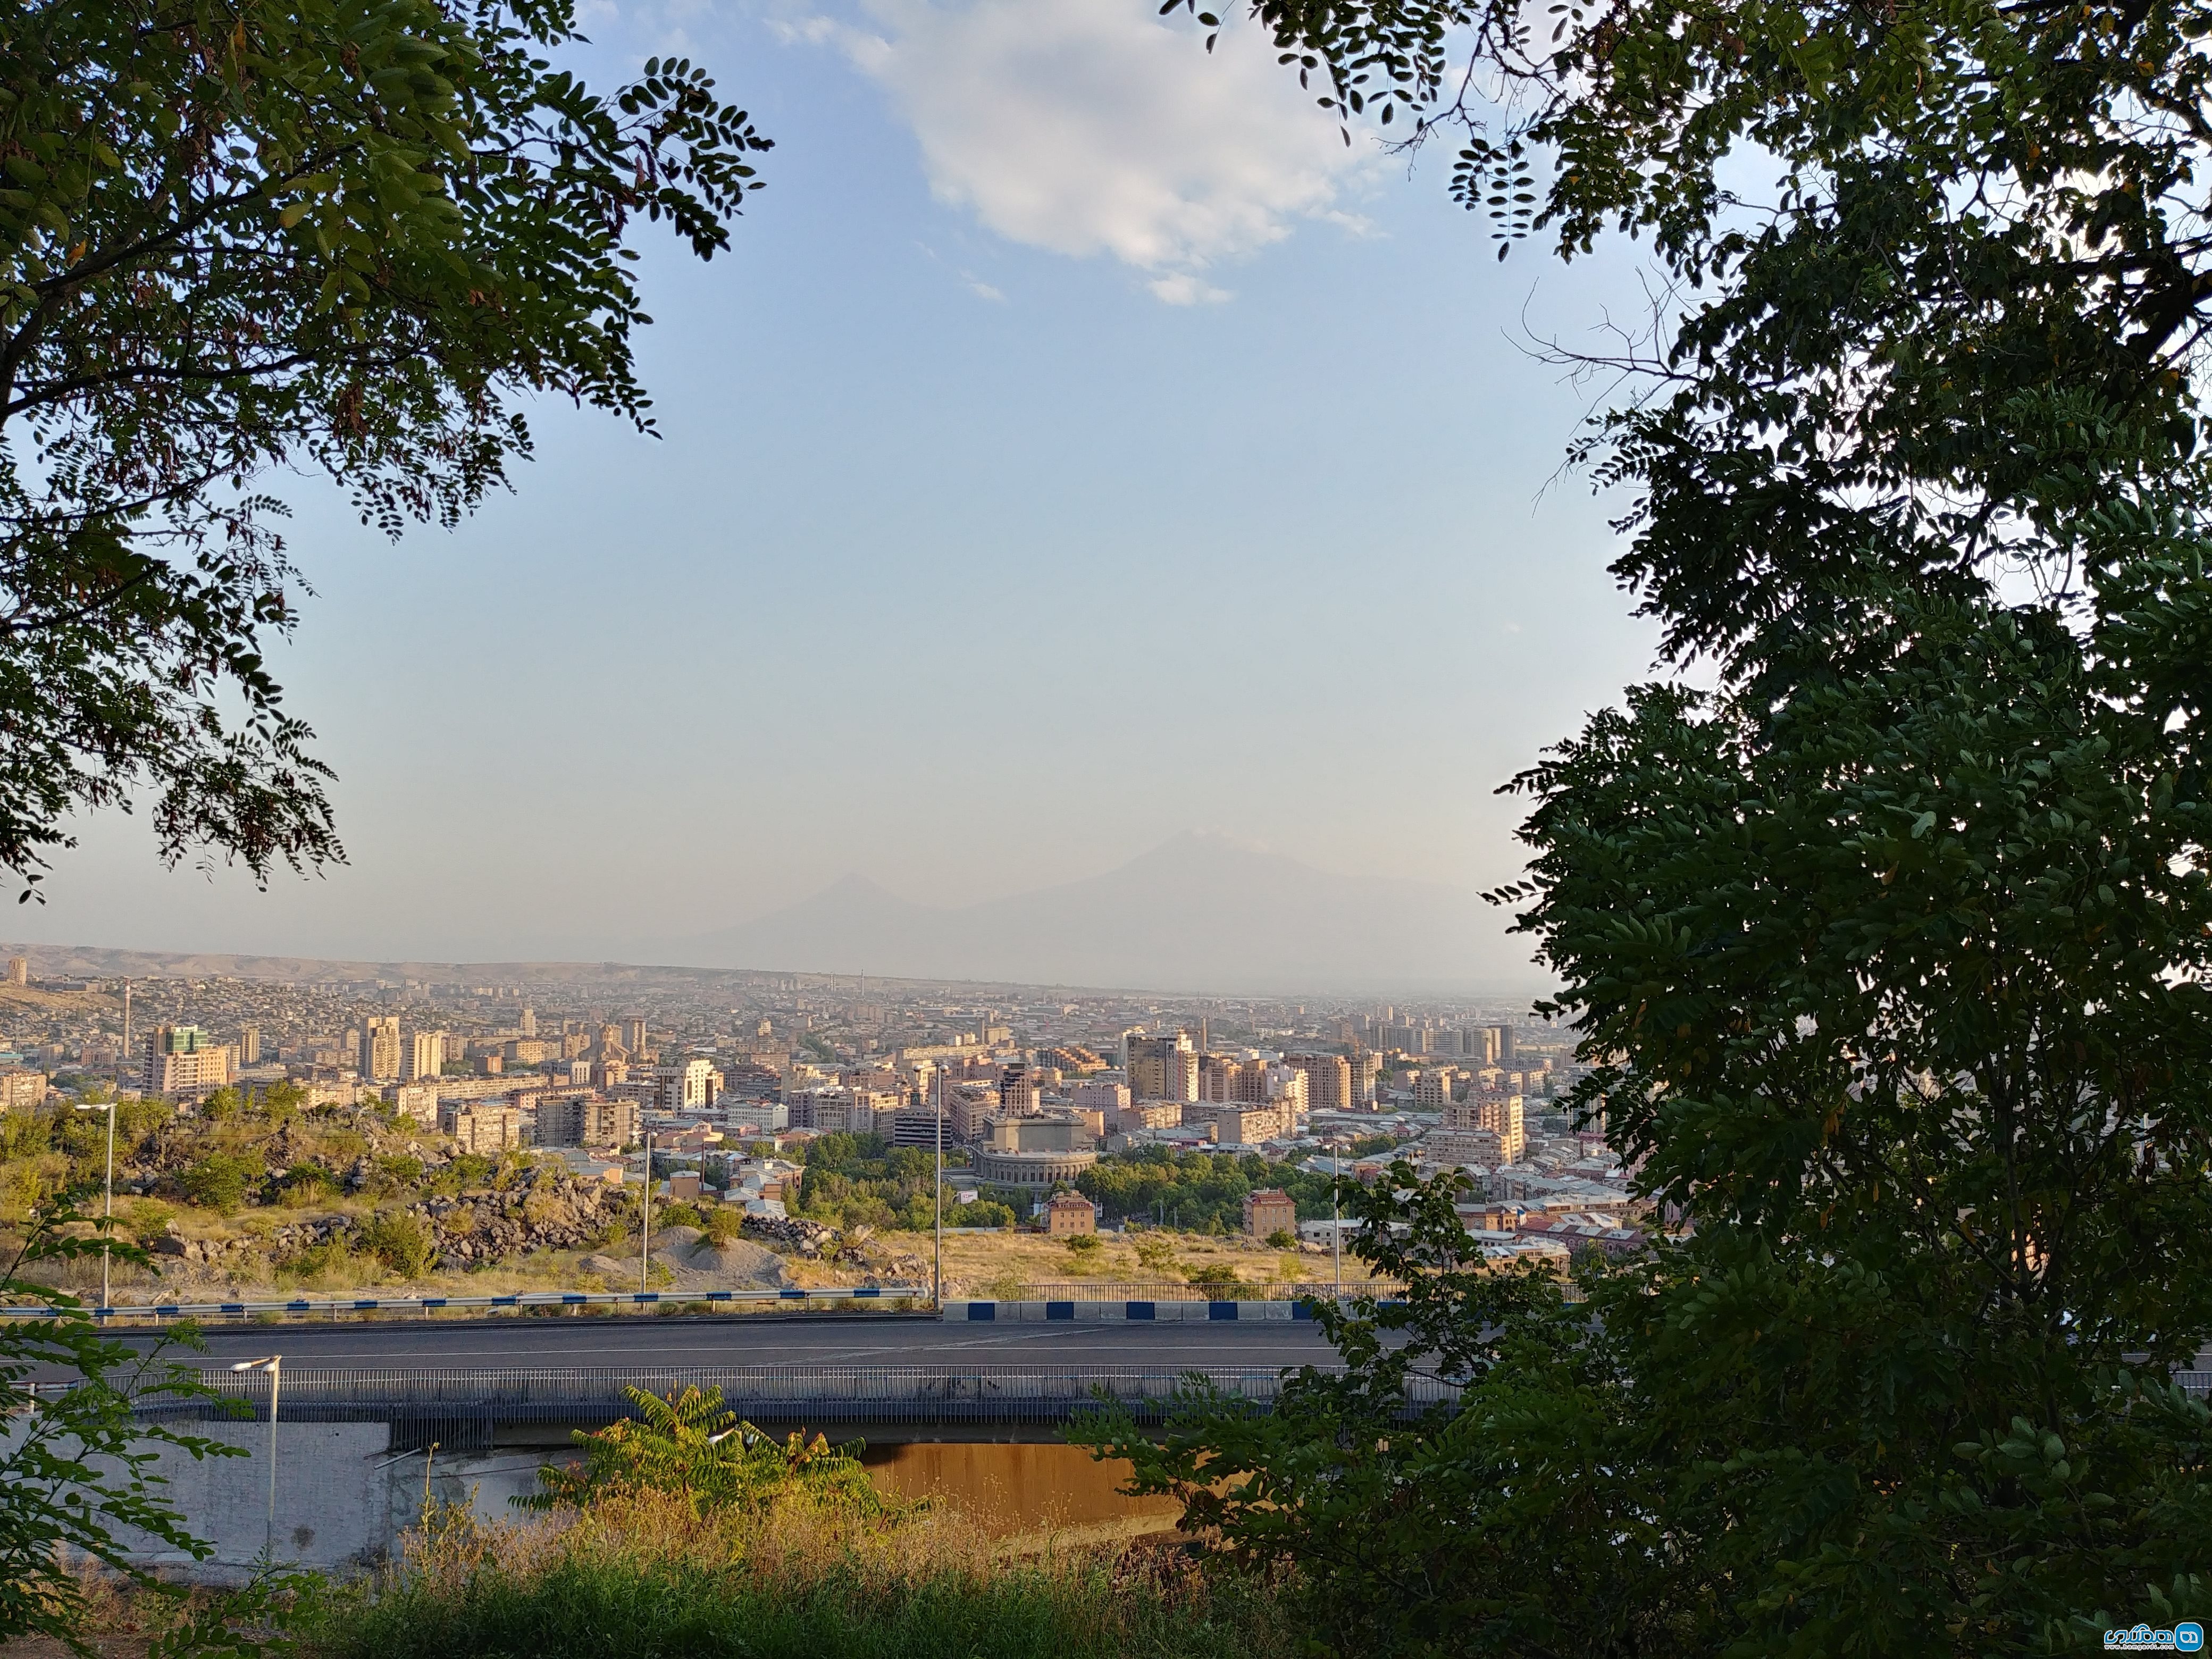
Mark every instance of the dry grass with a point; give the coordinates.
(643, 1574)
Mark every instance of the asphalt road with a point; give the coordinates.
(860, 1340)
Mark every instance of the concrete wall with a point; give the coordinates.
(342, 1496)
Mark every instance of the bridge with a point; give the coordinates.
(476, 1409)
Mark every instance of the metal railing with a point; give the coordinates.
(333, 1307)
(1177, 1290)
(814, 1397)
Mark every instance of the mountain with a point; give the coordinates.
(1200, 913)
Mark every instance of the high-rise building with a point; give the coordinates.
(581, 1120)
(482, 1127)
(19, 970)
(633, 1034)
(423, 1056)
(1019, 1092)
(379, 1049)
(1223, 1079)
(1499, 1113)
(249, 1046)
(1163, 1067)
(528, 1023)
(1365, 1069)
(686, 1085)
(1496, 1045)
(1328, 1080)
(184, 1061)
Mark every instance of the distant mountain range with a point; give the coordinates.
(1200, 913)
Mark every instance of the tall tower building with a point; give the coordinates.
(1328, 1079)
(528, 1023)
(423, 1056)
(633, 1033)
(183, 1060)
(249, 1046)
(19, 970)
(379, 1049)
(1163, 1067)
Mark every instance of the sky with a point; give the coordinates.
(1079, 445)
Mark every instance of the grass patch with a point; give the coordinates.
(641, 1575)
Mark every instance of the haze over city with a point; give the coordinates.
(983, 553)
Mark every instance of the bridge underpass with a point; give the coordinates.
(356, 1448)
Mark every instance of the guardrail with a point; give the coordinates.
(1177, 1290)
(332, 1307)
(460, 1406)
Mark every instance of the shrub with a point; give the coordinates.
(1083, 1243)
(1212, 1275)
(687, 1447)
(220, 1181)
(724, 1223)
(401, 1242)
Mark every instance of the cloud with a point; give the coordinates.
(1091, 127)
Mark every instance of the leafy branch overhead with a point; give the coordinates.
(237, 236)
(1889, 941)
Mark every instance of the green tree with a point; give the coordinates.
(1890, 948)
(239, 236)
(77, 1467)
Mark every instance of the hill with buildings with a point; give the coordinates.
(1200, 912)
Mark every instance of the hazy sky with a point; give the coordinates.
(1082, 444)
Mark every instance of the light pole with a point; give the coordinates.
(107, 1211)
(273, 1363)
(1336, 1225)
(644, 1240)
(937, 1270)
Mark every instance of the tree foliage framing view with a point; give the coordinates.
(1890, 948)
(240, 235)
(77, 1462)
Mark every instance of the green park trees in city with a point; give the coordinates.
(1885, 928)
(237, 236)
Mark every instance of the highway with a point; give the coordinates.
(864, 1339)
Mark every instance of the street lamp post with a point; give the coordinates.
(937, 1270)
(645, 1240)
(1336, 1227)
(273, 1363)
(108, 1210)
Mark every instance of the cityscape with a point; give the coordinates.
(977, 829)
(734, 1074)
